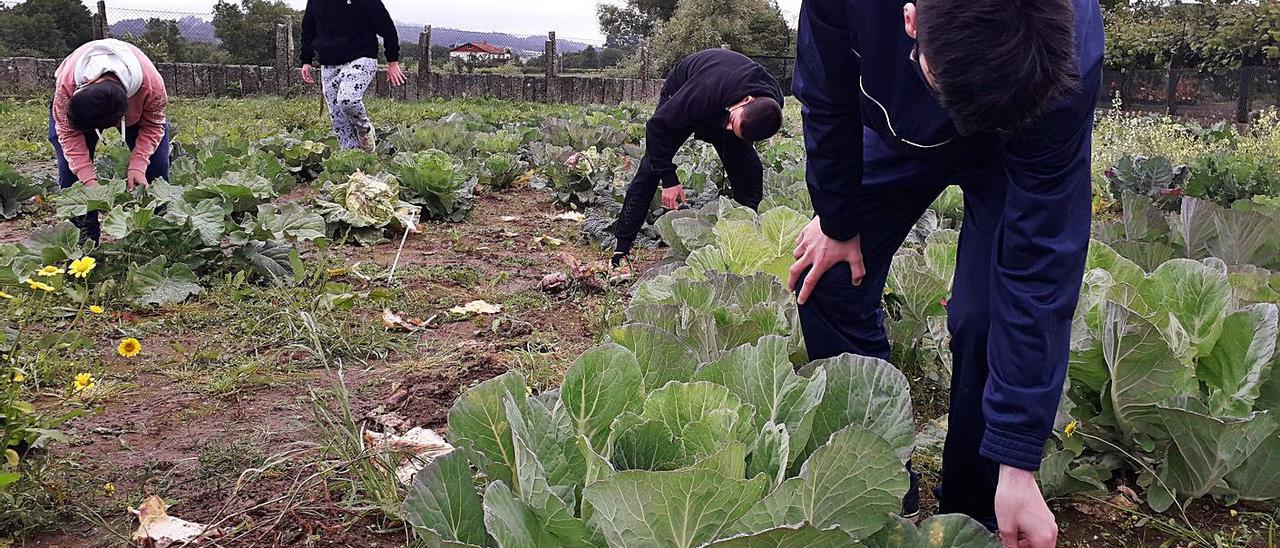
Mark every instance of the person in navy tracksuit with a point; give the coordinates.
(996, 96)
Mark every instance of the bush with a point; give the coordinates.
(1228, 177)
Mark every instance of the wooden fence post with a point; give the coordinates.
(424, 65)
(100, 29)
(1246, 89)
(645, 69)
(549, 67)
(1171, 85)
(284, 54)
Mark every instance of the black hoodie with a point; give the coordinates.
(340, 31)
(696, 97)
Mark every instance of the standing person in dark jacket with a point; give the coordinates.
(343, 36)
(717, 96)
(998, 97)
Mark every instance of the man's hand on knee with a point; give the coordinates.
(817, 253)
(1024, 519)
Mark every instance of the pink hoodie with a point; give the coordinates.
(146, 110)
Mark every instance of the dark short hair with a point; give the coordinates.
(761, 119)
(998, 64)
(99, 105)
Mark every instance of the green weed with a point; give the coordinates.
(542, 369)
(527, 300)
(367, 479)
(219, 462)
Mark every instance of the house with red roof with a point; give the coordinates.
(480, 52)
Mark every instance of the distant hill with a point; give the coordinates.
(525, 46)
(195, 29)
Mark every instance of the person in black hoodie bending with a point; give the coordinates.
(343, 36)
(717, 96)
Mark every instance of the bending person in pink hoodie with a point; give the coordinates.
(108, 84)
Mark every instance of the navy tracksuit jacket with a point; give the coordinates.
(694, 102)
(880, 150)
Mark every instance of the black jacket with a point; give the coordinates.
(336, 32)
(695, 101)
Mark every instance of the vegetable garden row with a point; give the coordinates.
(698, 420)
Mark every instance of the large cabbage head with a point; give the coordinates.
(370, 200)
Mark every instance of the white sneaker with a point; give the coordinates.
(368, 140)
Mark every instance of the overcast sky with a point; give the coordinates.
(569, 18)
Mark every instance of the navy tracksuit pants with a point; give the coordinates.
(839, 318)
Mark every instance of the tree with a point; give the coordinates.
(248, 29)
(45, 28)
(439, 54)
(1207, 37)
(626, 26)
(162, 42)
(750, 26)
(610, 57)
(589, 59)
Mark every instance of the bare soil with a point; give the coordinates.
(157, 435)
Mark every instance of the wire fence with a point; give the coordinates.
(1239, 94)
(157, 25)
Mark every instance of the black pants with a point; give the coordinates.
(741, 164)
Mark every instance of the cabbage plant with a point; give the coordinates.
(725, 237)
(739, 451)
(916, 294)
(577, 180)
(363, 206)
(1172, 373)
(581, 135)
(301, 156)
(437, 182)
(705, 316)
(160, 236)
(1248, 233)
(427, 135)
(15, 191)
(501, 169)
(344, 163)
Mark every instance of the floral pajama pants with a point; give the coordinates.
(344, 87)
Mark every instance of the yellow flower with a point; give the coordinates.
(80, 267)
(96, 309)
(1234, 513)
(18, 376)
(39, 285)
(50, 271)
(1071, 427)
(4, 295)
(129, 347)
(84, 381)
(109, 488)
